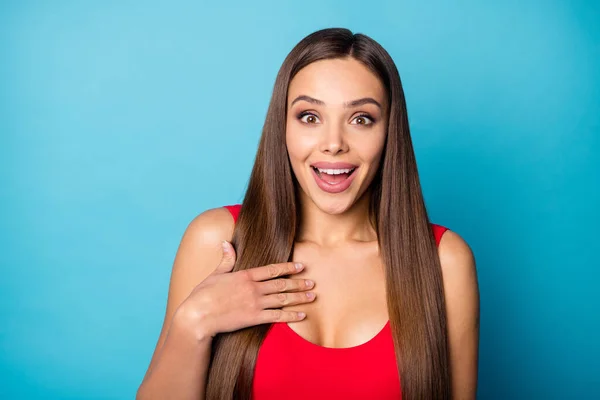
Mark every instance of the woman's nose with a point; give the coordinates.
(333, 141)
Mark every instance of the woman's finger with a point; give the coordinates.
(273, 271)
(277, 315)
(284, 285)
(228, 258)
(277, 300)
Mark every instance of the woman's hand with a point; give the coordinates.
(227, 301)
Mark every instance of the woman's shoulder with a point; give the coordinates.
(456, 257)
(211, 226)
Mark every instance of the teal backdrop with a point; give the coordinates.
(120, 121)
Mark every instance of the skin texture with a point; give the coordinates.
(336, 243)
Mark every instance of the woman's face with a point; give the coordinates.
(335, 131)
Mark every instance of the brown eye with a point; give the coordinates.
(364, 119)
(311, 118)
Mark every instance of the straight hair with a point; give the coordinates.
(268, 221)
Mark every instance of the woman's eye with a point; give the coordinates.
(312, 118)
(364, 119)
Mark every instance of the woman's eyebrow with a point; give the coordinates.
(353, 103)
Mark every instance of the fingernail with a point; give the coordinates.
(225, 246)
(298, 266)
(308, 282)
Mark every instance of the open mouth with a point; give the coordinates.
(334, 176)
(334, 180)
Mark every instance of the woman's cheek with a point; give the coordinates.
(300, 146)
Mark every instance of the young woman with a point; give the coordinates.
(331, 283)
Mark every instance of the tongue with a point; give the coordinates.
(334, 179)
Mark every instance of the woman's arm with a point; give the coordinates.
(462, 309)
(179, 366)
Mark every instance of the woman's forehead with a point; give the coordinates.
(335, 82)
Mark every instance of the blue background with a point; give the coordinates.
(121, 121)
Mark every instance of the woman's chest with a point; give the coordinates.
(343, 349)
(350, 305)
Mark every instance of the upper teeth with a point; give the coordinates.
(334, 171)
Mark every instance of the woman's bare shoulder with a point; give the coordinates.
(458, 268)
(455, 253)
(211, 227)
(200, 250)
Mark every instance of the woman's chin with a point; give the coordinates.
(334, 206)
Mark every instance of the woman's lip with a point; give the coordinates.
(336, 165)
(333, 188)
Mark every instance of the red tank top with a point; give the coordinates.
(290, 367)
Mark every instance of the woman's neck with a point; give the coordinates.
(337, 230)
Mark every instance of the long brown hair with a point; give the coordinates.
(268, 221)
